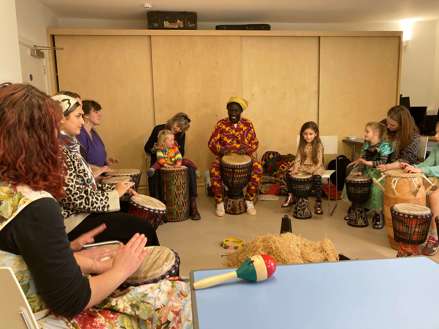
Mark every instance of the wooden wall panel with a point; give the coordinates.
(280, 81)
(358, 83)
(115, 71)
(195, 75)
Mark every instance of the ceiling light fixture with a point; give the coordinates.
(147, 5)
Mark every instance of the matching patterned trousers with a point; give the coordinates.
(217, 182)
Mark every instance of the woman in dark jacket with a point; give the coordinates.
(404, 136)
(178, 124)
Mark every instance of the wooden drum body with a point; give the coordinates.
(411, 223)
(236, 171)
(300, 185)
(175, 185)
(358, 191)
(148, 208)
(401, 187)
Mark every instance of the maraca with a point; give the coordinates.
(253, 269)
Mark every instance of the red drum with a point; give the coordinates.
(148, 208)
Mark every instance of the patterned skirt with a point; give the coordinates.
(165, 304)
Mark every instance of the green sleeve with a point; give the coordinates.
(431, 166)
(364, 149)
(386, 148)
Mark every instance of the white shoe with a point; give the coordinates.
(250, 208)
(220, 212)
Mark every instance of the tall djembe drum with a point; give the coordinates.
(411, 223)
(175, 193)
(300, 185)
(235, 172)
(358, 191)
(401, 187)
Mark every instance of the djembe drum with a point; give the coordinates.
(411, 223)
(300, 185)
(148, 208)
(236, 170)
(175, 193)
(160, 263)
(113, 180)
(135, 175)
(125, 199)
(401, 187)
(358, 192)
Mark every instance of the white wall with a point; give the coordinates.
(419, 66)
(33, 19)
(102, 23)
(10, 69)
(142, 24)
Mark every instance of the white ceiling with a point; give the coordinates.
(300, 11)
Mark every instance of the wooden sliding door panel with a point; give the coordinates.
(358, 83)
(195, 75)
(116, 72)
(280, 81)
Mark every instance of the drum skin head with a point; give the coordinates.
(158, 262)
(411, 209)
(116, 179)
(401, 173)
(145, 201)
(167, 169)
(301, 176)
(354, 178)
(124, 172)
(236, 159)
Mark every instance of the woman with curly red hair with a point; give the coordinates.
(31, 224)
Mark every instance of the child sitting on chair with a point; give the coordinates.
(167, 153)
(309, 160)
(375, 152)
(430, 168)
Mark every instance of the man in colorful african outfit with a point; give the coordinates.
(234, 135)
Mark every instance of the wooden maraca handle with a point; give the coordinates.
(215, 280)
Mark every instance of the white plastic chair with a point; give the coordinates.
(15, 311)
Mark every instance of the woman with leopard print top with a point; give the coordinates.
(87, 204)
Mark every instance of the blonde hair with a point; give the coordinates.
(377, 126)
(162, 137)
(180, 120)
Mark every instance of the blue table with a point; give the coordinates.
(368, 294)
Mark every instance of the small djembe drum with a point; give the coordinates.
(411, 223)
(148, 208)
(236, 170)
(175, 193)
(160, 263)
(135, 175)
(300, 185)
(125, 199)
(358, 191)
